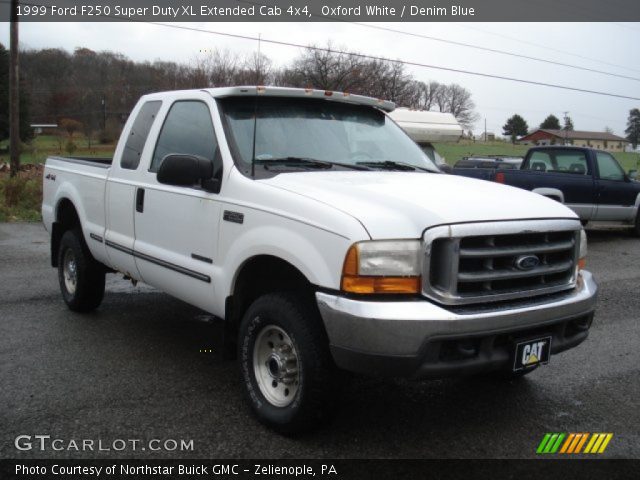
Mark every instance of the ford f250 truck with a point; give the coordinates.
(590, 182)
(324, 238)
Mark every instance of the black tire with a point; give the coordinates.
(317, 379)
(89, 274)
(636, 227)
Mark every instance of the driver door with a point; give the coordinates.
(176, 227)
(616, 194)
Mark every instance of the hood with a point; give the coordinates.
(403, 204)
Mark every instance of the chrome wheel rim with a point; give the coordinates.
(70, 271)
(275, 366)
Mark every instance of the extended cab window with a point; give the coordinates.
(138, 135)
(608, 167)
(559, 161)
(187, 130)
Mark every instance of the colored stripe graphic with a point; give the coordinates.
(573, 443)
(556, 446)
(606, 441)
(543, 443)
(567, 442)
(581, 442)
(550, 443)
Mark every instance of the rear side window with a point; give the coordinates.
(608, 167)
(138, 135)
(540, 161)
(560, 161)
(187, 130)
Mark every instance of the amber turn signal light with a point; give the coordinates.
(352, 282)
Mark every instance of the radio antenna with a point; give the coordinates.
(255, 113)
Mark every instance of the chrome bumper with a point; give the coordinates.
(403, 328)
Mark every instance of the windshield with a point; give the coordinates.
(320, 130)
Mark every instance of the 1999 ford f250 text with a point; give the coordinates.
(325, 239)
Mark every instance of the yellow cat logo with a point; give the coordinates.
(531, 353)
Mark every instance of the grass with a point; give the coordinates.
(453, 152)
(43, 146)
(21, 197)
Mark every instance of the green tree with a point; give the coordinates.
(515, 127)
(26, 133)
(551, 123)
(568, 124)
(633, 127)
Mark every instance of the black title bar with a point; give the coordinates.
(325, 10)
(302, 469)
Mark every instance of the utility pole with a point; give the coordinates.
(566, 125)
(485, 130)
(14, 92)
(104, 113)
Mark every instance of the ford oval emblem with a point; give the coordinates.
(527, 262)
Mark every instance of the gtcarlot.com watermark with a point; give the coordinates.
(44, 443)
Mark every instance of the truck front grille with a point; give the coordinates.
(485, 262)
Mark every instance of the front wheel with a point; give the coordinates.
(80, 276)
(288, 373)
(636, 227)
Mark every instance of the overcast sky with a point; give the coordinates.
(610, 47)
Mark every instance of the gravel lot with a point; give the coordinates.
(134, 370)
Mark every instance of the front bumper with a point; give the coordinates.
(417, 338)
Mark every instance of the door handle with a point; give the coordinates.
(140, 200)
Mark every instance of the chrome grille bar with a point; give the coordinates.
(492, 275)
(507, 251)
(483, 262)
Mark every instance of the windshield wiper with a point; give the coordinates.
(305, 161)
(389, 165)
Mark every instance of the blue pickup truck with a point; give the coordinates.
(590, 182)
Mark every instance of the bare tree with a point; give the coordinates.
(325, 69)
(218, 67)
(256, 69)
(457, 100)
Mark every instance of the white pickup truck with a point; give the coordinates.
(324, 238)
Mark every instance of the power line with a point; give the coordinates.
(404, 62)
(464, 44)
(373, 57)
(493, 50)
(547, 47)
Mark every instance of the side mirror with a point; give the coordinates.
(184, 170)
(633, 174)
(445, 168)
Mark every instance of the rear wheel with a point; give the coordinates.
(81, 278)
(289, 376)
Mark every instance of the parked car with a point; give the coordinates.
(324, 238)
(501, 162)
(590, 182)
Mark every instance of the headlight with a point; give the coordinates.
(382, 266)
(582, 257)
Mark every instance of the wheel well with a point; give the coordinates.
(66, 219)
(258, 276)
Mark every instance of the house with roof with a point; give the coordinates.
(600, 140)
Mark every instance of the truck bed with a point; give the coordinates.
(81, 180)
(103, 162)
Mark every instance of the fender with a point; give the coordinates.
(67, 190)
(320, 261)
